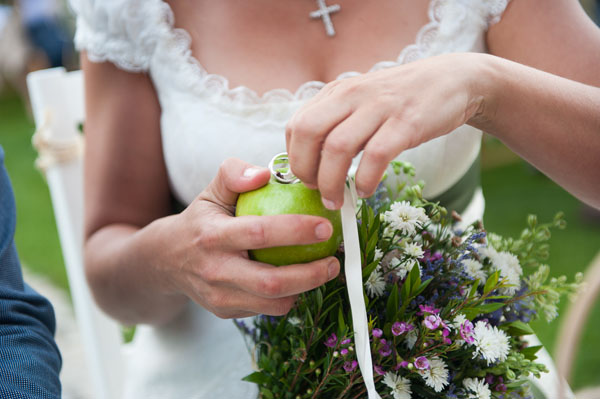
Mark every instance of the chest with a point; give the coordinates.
(265, 44)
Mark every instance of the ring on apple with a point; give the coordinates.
(279, 198)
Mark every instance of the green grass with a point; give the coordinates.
(36, 235)
(512, 192)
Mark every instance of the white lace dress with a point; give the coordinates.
(204, 121)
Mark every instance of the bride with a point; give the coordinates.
(185, 98)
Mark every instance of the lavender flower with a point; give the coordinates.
(331, 342)
(466, 332)
(350, 366)
(399, 328)
(377, 332)
(421, 363)
(432, 321)
(385, 349)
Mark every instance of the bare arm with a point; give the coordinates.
(126, 188)
(553, 123)
(143, 263)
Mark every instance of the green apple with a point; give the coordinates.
(277, 198)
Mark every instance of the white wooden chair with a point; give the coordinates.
(574, 323)
(58, 106)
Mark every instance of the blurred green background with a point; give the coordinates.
(511, 187)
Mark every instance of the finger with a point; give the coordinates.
(340, 147)
(268, 281)
(234, 176)
(306, 132)
(227, 303)
(389, 141)
(254, 232)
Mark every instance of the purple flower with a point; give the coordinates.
(422, 363)
(379, 370)
(344, 352)
(346, 341)
(349, 366)
(427, 309)
(377, 332)
(432, 321)
(446, 332)
(399, 328)
(385, 349)
(447, 341)
(331, 342)
(403, 364)
(466, 332)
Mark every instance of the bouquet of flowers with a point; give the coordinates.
(447, 310)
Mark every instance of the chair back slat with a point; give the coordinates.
(58, 106)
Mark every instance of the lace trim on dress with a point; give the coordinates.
(219, 85)
(497, 8)
(124, 33)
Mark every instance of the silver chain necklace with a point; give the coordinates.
(324, 12)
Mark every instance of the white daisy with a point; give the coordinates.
(477, 388)
(405, 218)
(295, 321)
(375, 284)
(510, 270)
(414, 250)
(490, 342)
(474, 270)
(400, 385)
(401, 269)
(436, 376)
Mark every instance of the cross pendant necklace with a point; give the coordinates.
(324, 12)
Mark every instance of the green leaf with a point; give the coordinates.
(491, 282)
(319, 296)
(372, 243)
(257, 378)
(414, 276)
(517, 384)
(341, 322)
(369, 269)
(530, 352)
(490, 307)
(422, 287)
(473, 289)
(518, 328)
(405, 291)
(392, 304)
(309, 319)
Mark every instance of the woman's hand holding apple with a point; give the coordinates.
(213, 267)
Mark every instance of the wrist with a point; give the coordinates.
(486, 87)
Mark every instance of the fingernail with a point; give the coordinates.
(311, 186)
(361, 194)
(323, 231)
(251, 172)
(329, 204)
(333, 269)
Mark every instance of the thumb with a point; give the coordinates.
(234, 177)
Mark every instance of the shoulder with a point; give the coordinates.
(123, 32)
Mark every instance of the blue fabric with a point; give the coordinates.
(29, 358)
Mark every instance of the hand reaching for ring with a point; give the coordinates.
(382, 113)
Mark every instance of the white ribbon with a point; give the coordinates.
(354, 283)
